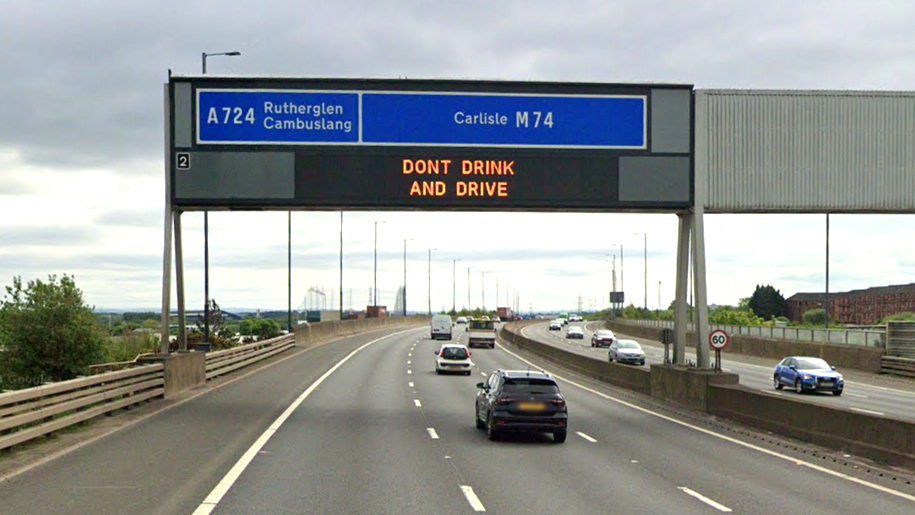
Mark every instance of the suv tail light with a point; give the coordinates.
(504, 400)
(558, 402)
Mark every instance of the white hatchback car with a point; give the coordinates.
(453, 358)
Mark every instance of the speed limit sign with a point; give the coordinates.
(719, 339)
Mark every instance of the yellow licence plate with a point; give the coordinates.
(531, 406)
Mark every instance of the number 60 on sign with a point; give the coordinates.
(719, 339)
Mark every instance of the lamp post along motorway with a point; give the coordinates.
(468, 287)
(430, 280)
(645, 234)
(622, 270)
(405, 275)
(375, 280)
(483, 289)
(454, 285)
(206, 224)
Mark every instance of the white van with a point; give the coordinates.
(441, 327)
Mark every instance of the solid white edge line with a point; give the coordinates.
(432, 434)
(706, 500)
(418, 404)
(733, 440)
(586, 437)
(221, 488)
(857, 395)
(869, 412)
(472, 498)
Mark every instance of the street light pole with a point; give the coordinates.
(645, 234)
(206, 226)
(483, 288)
(430, 281)
(622, 281)
(454, 285)
(468, 288)
(375, 286)
(341, 265)
(405, 275)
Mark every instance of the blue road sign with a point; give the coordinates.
(504, 120)
(278, 117)
(421, 118)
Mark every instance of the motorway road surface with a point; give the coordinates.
(364, 425)
(866, 393)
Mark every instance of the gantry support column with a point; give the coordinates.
(680, 306)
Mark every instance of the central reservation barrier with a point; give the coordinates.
(882, 439)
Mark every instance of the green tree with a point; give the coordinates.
(767, 302)
(262, 328)
(815, 316)
(47, 332)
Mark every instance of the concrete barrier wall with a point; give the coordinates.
(878, 438)
(841, 356)
(319, 333)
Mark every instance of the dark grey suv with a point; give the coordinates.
(521, 401)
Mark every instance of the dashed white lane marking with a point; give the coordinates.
(706, 500)
(869, 412)
(411, 384)
(409, 372)
(409, 362)
(483, 374)
(746, 445)
(472, 498)
(432, 434)
(418, 404)
(410, 355)
(586, 437)
(219, 491)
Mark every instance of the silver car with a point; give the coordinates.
(575, 332)
(626, 351)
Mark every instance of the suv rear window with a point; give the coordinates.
(530, 386)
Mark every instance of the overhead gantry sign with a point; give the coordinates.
(437, 145)
(369, 144)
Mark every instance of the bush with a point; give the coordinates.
(129, 346)
(48, 333)
(815, 317)
(899, 317)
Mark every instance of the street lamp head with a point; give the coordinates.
(233, 54)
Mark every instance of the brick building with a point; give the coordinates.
(856, 307)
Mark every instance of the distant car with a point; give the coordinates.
(521, 401)
(496, 318)
(808, 374)
(453, 358)
(575, 318)
(575, 332)
(461, 320)
(556, 325)
(603, 337)
(626, 351)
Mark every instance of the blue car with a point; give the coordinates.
(806, 374)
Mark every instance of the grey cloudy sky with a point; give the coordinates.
(81, 143)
